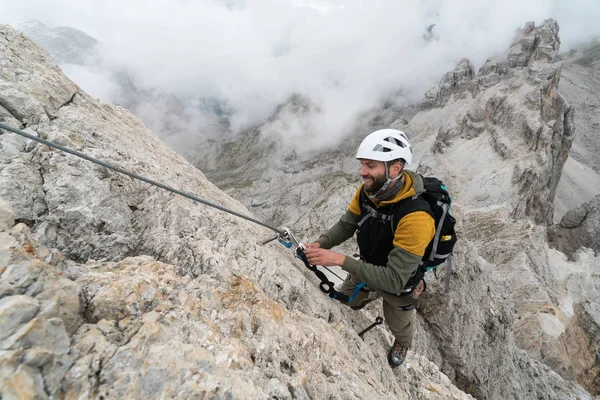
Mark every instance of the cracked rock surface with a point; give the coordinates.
(137, 328)
(579, 227)
(499, 138)
(111, 288)
(127, 291)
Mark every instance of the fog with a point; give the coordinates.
(248, 57)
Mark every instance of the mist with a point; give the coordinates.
(344, 56)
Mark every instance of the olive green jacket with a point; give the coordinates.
(412, 236)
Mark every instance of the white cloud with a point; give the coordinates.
(96, 82)
(344, 55)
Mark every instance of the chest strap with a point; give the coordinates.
(371, 212)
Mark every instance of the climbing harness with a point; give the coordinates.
(135, 176)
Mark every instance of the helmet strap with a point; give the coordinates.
(388, 181)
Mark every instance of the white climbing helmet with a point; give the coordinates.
(385, 145)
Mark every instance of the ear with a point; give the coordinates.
(396, 169)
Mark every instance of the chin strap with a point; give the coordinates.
(387, 183)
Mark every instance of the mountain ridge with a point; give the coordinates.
(246, 303)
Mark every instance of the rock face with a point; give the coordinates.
(503, 136)
(499, 138)
(137, 328)
(176, 299)
(579, 227)
(580, 83)
(111, 288)
(65, 45)
(531, 145)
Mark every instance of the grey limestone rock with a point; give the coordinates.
(7, 216)
(501, 154)
(516, 106)
(65, 45)
(574, 217)
(535, 43)
(155, 296)
(458, 83)
(14, 312)
(579, 227)
(498, 138)
(146, 331)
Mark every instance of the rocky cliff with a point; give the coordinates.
(503, 136)
(579, 227)
(113, 288)
(499, 137)
(580, 84)
(65, 45)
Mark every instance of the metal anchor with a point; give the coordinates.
(378, 321)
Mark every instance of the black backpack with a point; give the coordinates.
(440, 248)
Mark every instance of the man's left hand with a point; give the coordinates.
(328, 258)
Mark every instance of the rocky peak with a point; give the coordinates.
(535, 44)
(65, 45)
(458, 83)
(532, 44)
(580, 84)
(110, 287)
(502, 153)
(164, 297)
(490, 102)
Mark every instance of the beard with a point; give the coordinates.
(378, 182)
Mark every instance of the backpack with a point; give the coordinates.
(441, 246)
(438, 205)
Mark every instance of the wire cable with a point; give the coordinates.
(135, 176)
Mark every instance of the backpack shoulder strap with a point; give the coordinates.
(399, 211)
(367, 211)
(415, 203)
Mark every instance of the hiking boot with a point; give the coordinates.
(397, 354)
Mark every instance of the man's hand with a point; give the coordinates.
(317, 256)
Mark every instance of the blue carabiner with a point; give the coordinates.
(286, 244)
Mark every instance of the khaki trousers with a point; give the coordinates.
(399, 320)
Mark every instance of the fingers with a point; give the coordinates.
(312, 251)
(312, 254)
(323, 257)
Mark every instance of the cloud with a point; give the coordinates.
(344, 55)
(94, 80)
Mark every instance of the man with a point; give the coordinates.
(390, 256)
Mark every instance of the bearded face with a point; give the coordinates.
(374, 182)
(373, 174)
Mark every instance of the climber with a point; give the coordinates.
(392, 236)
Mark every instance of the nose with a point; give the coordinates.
(363, 171)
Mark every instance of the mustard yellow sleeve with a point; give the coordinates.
(354, 206)
(414, 232)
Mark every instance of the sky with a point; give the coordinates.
(346, 56)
